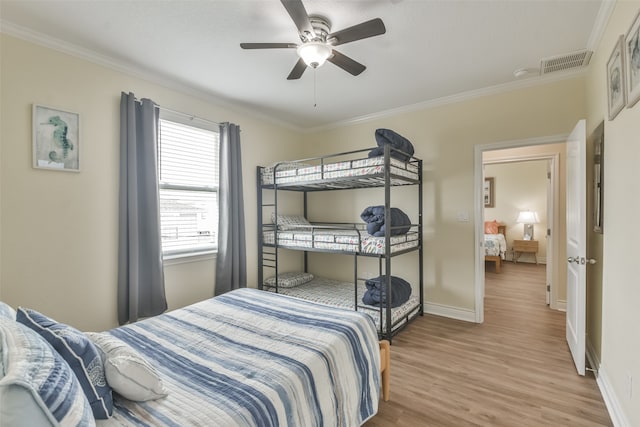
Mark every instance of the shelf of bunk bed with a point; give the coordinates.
(357, 242)
(341, 183)
(348, 170)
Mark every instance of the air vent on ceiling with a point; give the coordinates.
(564, 62)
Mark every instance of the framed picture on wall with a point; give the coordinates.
(598, 175)
(616, 93)
(56, 139)
(488, 192)
(632, 57)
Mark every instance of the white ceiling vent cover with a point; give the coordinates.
(565, 62)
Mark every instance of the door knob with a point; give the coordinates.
(571, 259)
(592, 261)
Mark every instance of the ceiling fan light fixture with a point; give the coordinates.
(314, 53)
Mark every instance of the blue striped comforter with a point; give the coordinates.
(253, 358)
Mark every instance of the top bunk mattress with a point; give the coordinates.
(300, 173)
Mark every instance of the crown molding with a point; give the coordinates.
(26, 34)
(602, 19)
(457, 98)
(40, 39)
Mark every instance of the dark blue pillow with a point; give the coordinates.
(376, 293)
(81, 355)
(397, 141)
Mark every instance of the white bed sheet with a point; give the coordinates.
(495, 245)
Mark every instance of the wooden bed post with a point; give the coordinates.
(385, 368)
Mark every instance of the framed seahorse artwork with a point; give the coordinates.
(56, 139)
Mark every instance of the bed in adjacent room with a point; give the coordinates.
(495, 243)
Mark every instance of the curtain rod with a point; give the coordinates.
(190, 116)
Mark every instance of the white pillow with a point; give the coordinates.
(6, 311)
(290, 222)
(128, 372)
(289, 280)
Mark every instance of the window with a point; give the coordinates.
(188, 167)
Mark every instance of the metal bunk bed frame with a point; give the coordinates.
(268, 253)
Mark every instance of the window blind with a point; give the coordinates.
(188, 165)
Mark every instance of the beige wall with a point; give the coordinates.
(615, 337)
(444, 137)
(520, 186)
(59, 229)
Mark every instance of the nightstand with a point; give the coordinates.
(525, 246)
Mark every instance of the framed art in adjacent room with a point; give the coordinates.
(616, 93)
(56, 139)
(489, 193)
(632, 58)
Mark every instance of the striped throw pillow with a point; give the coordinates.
(81, 355)
(37, 386)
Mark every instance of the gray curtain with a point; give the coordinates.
(140, 275)
(231, 261)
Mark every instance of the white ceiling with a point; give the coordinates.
(431, 50)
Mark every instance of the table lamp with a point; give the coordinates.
(528, 218)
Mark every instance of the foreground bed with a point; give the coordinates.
(250, 358)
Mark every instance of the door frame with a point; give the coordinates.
(479, 207)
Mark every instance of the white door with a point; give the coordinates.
(550, 208)
(576, 244)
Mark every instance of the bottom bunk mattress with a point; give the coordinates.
(341, 294)
(252, 358)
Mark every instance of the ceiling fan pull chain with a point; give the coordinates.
(315, 104)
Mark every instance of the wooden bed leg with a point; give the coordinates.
(498, 264)
(385, 368)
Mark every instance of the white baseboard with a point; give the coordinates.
(450, 312)
(618, 418)
(559, 305)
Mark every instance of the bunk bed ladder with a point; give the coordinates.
(267, 257)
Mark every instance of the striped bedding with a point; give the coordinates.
(253, 358)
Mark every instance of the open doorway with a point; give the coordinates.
(551, 153)
(516, 220)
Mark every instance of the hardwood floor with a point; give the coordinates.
(515, 369)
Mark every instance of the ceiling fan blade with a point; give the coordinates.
(300, 17)
(297, 71)
(346, 63)
(268, 45)
(375, 27)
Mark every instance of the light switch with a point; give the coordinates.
(463, 216)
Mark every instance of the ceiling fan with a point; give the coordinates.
(318, 42)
